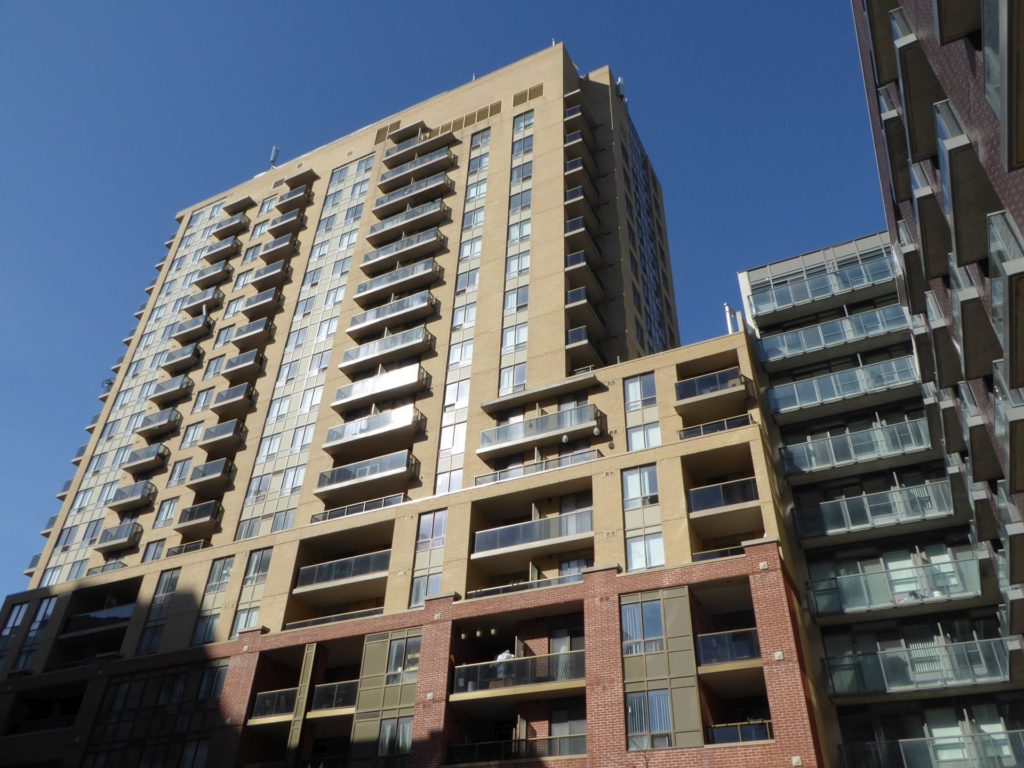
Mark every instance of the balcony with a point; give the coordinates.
(524, 586)
(146, 459)
(739, 733)
(271, 276)
(199, 520)
(541, 430)
(262, 304)
(234, 401)
(279, 248)
(134, 496)
(244, 367)
(871, 514)
(115, 617)
(829, 394)
(714, 427)
(405, 310)
(79, 455)
(204, 302)
(1006, 262)
(416, 193)
(920, 668)
(411, 247)
(384, 350)
(47, 529)
(65, 487)
(919, 87)
(1009, 427)
(410, 219)
(113, 565)
(94, 420)
(214, 275)
(299, 197)
(712, 395)
(177, 388)
(33, 563)
(358, 509)
(880, 326)
(331, 699)
(351, 578)
(579, 171)
(224, 437)
(417, 145)
(255, 334)
(212, 477)
(954, 749)
(932, 229)
(238, 205)
(418, 168)
(581, 310)
(898, 588)
(735, 648)
(184, 549)
(159, 423)
(273, 707)
(894, 133)
(829, 455)
(578, 203)
(334, 618)
(535, 467)
(386, 386)
(377, 433)
(870, 278)
(124, 536)
(581, 273)
(529, 677)
(417, 275)
(286, 224)
(232, 225)
(582, 350)
(225, 249)
(520, 749)
(578, 237)
(194, 328)
(500, 549)
(723, 508)
(378, 476)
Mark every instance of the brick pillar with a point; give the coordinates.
(606, 713)
(429, 726)
(788, 694)
(234, 705)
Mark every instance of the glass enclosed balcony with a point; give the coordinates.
(412, 194)
(898, 587)
(534, 467)
(1006, 260)
(352, 578)
(203, 302)
(857, 447)
(843, 330)
(175, 388)
(520, 749)
(412, 218)
(279, 248)
(915, 504)
(182, 359)
(274, 704)
(769, 299)
(1008, 417)
(287, 223)
(199, 520)
(410, 247)
(838, 387)
(920, 668)
(728, 647)
(386, 386)
(382, 474)
(124, 536)
(540, 430)
(572, 525)
(404, 310)
(424, 165)
(146, 459)
(708, 383)
(386, 349)
(404, 278)
(335, 696)
(384, 431)
(225, 249)
(954, 749)
(159, 423)
(521, 672)
(191, 329)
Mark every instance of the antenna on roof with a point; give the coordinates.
(552, 42)
(273, 155)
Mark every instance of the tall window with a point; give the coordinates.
(648, 720)
(639, 391)
(403, 661)
(257, 567)
(639, 486)
(395, 736)
(643, 630)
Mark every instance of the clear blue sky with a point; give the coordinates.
(115, 115)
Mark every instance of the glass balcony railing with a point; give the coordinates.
(256, 327)
(419, 162)
(402, 416)
(154, 454)
(1004, 248)
(736, 733)
(232, 223)
(139, 494)
(187, 355)
(834, 332)
(550, 423)
(391, 309)
(126, 533)
(244, 391)
(211, 297)
(207, 511)
(184, 549)
(578, 335)
(876, 510)
(727, 647)
(286, 220)
(713, 427)
(525, 586)
(405, 244)
(708, 383)
(334, 618)
(832, 387)
(335, 695)
(345, 568)
(896, 587)
(178, 386)
(410, 190)
(368, 469)
(400, 378)
(102, 618)
(722, 494)
(1006, 400)
(399, 220)
(252, 358)
(275, 703)
(529, 670)
(384, 345)
(298, 196)
(992, 749)
(232, 428)
(396, 277)
(534, 531)
(359, 508)
(279, 246)
(857, 447)
(921, 667)
(569, 460)
(817, 287)
(520, 749)
(221, 468)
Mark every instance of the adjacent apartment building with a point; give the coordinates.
(403, 465)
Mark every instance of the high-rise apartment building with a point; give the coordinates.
(402, 467)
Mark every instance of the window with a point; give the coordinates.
(453, 438)
(305, 307)
(245, 618)
(165, 513)
(403, 661)
(269, 446)
(517, 299)
(639, 392)
(77, 570)
(243, 279)
(302, 438)
(479, 163)
(312, 278)
(107, 492)
(234, 307)
(512, 378)
(643, 436)
(109, 429)
(212, 684)
(517, 264)
(292, 480)
(311, 399)
(192, 434)
(423, 587)
(464, 316)
(456, 395)
(470, 248)
(476, 190)
(431, 530)
(523, 122)
(247, 529)
(220, 574)
(467, 281)
(334, 297)
(513, 338)
(203, 400)
(326, 225)
(522, 172)
(639, 487)
(206, 628)
(259, 229)
(326, 329)
(448, 482)
(96, 464)
(460, 354)
(648, 720)
(287, 373)
(480, 139)
(520, 201)
(154, 551)
(257, 566)
(50, 577)
(179, 472)
(250, 254)
(643, 630)
(282, 520)
(278, 409)
(395, 736)
(318, 363)
(353, 214)
(213, 367)
(473, 218)
(267, 204)
(259, 485)
(295, 339)
(521, 146)
(646, 551)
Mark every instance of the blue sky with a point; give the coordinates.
(116, 115)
